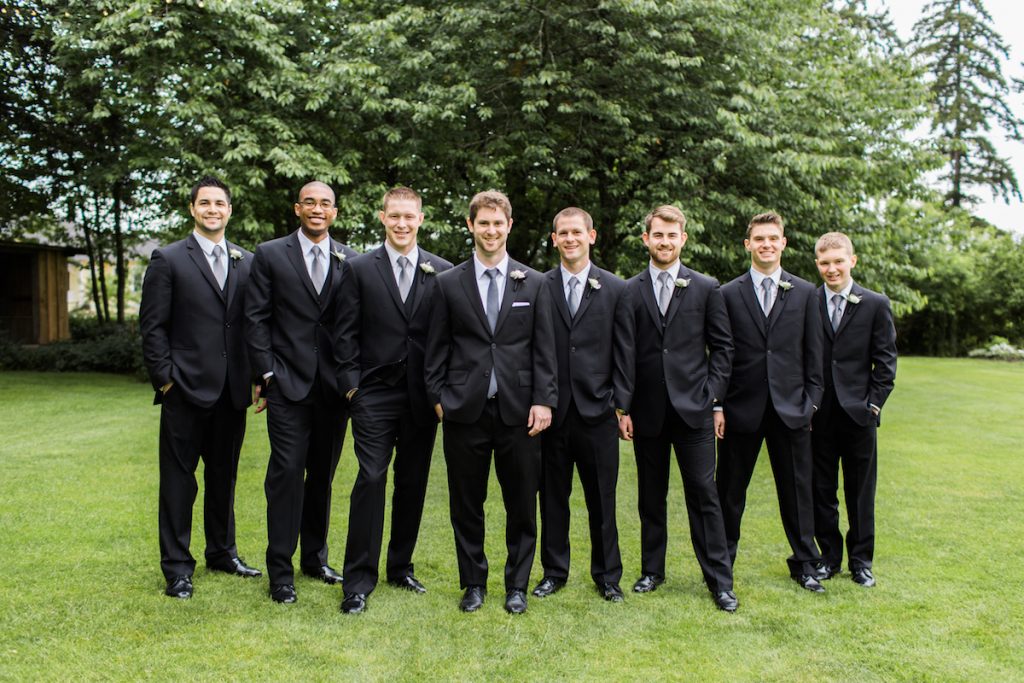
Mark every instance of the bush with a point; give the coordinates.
(94, 347)
(998, 348)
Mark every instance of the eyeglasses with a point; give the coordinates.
(310, 203)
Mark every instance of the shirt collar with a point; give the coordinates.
(393, 254)
(324, 245)
(758, 277)
(845, 291)
(207, 246)
(479, 267)
(581, 276)
(673, 271)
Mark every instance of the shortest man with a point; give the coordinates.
(859, 368)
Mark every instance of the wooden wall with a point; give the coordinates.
(34, 294)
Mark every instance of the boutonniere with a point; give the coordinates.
(594, 283)
(428, 268)
(785, 285)
(517, 277)
(853, 298)
(338, 255)
(235, 254)
(682, 282)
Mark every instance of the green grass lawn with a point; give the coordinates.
(81, 590)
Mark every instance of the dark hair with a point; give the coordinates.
(208, 181)
(490, 199)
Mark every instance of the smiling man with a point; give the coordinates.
(776, 386)
(491, 377)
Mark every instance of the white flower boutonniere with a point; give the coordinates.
(853, 298)
(428, 268)
(682, 282)
(785, 285)
(594, 283)
(517, 278)
(338, 255)
(235, 254)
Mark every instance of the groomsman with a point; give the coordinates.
(290, 313)
(192, 342)
(381, 330)
(859, 369)
(594, 342)
(683, 358)
(491, 377)
(775, 388)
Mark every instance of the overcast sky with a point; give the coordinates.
(1008, 19)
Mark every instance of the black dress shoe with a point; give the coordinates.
(515, 601)
(283, 593)
(354, 603)
(179, 587)
(863, 577)
(408, 583)
(809, 583)
(473, 598)
(824, 571)
(324, 573)
(235, 566)
(549, 585)
(726, 601)
(648, 583)
(610, 592)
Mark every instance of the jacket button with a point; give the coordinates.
(493, 345)
(227, 324)
(224, 354)
(665, 351)
(769, 352)
(315, 349)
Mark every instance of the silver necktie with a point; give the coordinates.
(316, 271)
(665, 295)
(837, 312)
(574, 296)
(404, 281)
(767, 285)
(492, 320)
(220, 273)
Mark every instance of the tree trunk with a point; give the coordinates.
(101, 260)
(119, 251)
(91, 254)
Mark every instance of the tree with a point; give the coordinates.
(964, 54)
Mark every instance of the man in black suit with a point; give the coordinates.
(290, 313)
(775, 388)
(594, 343)
(192, 342)
(491, 377)
(381, 331)
(860, 369)
(683, 358)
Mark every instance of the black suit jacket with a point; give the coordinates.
(192, 331)
(778, 358)
(386, 337)
(687, 356)
(461, 350)
(595, 348)
(860, 356)
(288, 325)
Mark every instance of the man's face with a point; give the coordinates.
(765, 245)
(316, 210)
(490, 231)
(835, 266)
(401, 219)
(211, 211)
(572, 239)
(664, 241)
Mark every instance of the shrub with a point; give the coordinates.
(998, 348)
(94, 347)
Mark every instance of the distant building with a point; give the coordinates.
(34, 292)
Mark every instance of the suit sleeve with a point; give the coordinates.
(258, 308)
(155, 320)
(718, 336)
(883, 354)
(545, 363)
(345, 333)
(814, 350)
(624, 351)
(439, 344)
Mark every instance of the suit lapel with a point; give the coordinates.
(588, 293)
(780, 301)
(195, 252)
(421, 286)
(299, 264)
(753, 306)
(468, 279)
(507, 296)
(677, 295)
(232, 275)
(647, 294)
(558, 296)
(851, 309)
(383, 263)
(823, 294)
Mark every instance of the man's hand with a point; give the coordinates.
(719, 424)
(440, 412)
(625, 427)
(261, 405)
(540, 419)
(167, 387)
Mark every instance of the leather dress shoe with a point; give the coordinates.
(324, 573)
(409, 583)
(354, 603)
(824, 571)
(473, 598)
(236, 566)
(179, 587)
(648, 583)
(515, 601)
(283, 593)
(549, 585)
(726, 601)
(610, 592)
(809, 583)
(863, 577)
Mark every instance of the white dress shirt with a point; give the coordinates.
(757, 277)
(393, 254)
(829, 301)
(673, 273)
(483, 281)
(581, 276)
(207, 247)
(308, 245)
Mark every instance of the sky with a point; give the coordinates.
(1008, 19)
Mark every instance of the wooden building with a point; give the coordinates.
(34, 292)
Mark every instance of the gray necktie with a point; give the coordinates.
(665, 295)
(837, 312)
(492, 320)
(316, 271)
(767, 285)
(404, 281)
(219, 271)
(574, 296)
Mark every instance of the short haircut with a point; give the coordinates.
(570, 211)
(834, 240)
(400, 193)
(667, 213)
(489, 199)
(314, 183)
(208, 181)
(767, 218)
